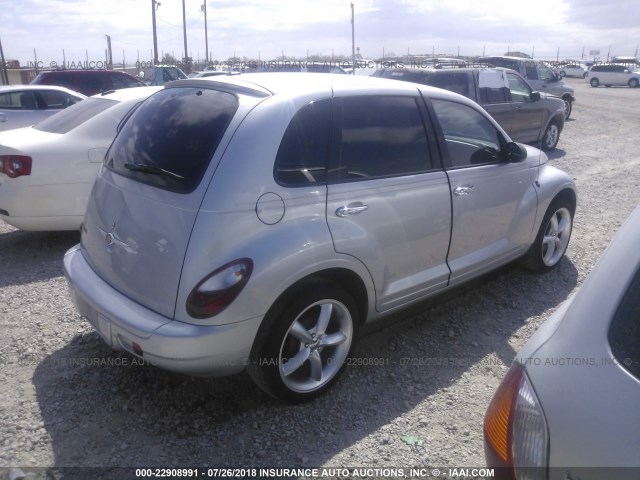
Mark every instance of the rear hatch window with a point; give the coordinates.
(170, 139)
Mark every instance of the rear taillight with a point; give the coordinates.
(15, 165)
(516, 438)
(219, 289)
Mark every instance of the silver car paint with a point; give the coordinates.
(591, 410)
(242, 212)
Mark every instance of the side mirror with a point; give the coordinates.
(514, 152)
(535, 96)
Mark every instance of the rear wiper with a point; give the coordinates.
(152, 169)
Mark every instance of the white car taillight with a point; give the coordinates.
(515, 430)
(15, 165)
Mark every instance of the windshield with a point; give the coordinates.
(70, 118)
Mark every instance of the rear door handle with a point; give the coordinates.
(352, 209)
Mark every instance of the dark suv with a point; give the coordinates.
(88, 82)
(526, 115)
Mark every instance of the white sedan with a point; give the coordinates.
(47, 171)
(25, 105)
(573, 70)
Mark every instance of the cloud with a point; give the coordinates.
(256, 27)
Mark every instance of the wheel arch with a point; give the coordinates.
(344, 278)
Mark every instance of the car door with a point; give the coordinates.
(528, 114)
(493, 201)
(19, 108)
(388, 199)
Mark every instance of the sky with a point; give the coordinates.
(76, 30)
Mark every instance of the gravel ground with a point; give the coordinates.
(68, 400)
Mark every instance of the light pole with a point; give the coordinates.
(353, 40)
(206, 37)
(109, 54)
(187, 66)
(154, 6)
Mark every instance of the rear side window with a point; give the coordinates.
(454, 82)
(54, 99)
(18, 100)
(303, 152)
(69, 118)
(380, 137)
(170, 139)
(624, 332)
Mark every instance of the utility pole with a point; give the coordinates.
(109, 53)
(206, 36)
(184, 29)
(353, 39)
(4, 74)
(154, 6)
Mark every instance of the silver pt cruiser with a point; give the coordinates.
(256, 222)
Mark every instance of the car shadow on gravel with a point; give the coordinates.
(556, 153)
(28, 257)
(102, 408)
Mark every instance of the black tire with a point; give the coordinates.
(553, 237)
(594, 82)
(562, 74)
(290, 333)
(633, 83)
(568, 108)
(550, 137)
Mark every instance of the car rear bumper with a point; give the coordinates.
(164, 342)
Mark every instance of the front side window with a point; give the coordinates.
(170, 138)
(520, 90)
(545, 73)
(471, 139)
(122, 81)
(302, 156)
(380, 137)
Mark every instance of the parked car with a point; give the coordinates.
(610, 75)
(310, 205)
(572, 70)
(280, 66)
(88, 82)
(539, 76)
(46, 171)
(215, 73)
(567, 407)
(526, 115)
(161, 74)
(24, 105)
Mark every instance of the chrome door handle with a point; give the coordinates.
(463, 190)
(351, 210)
